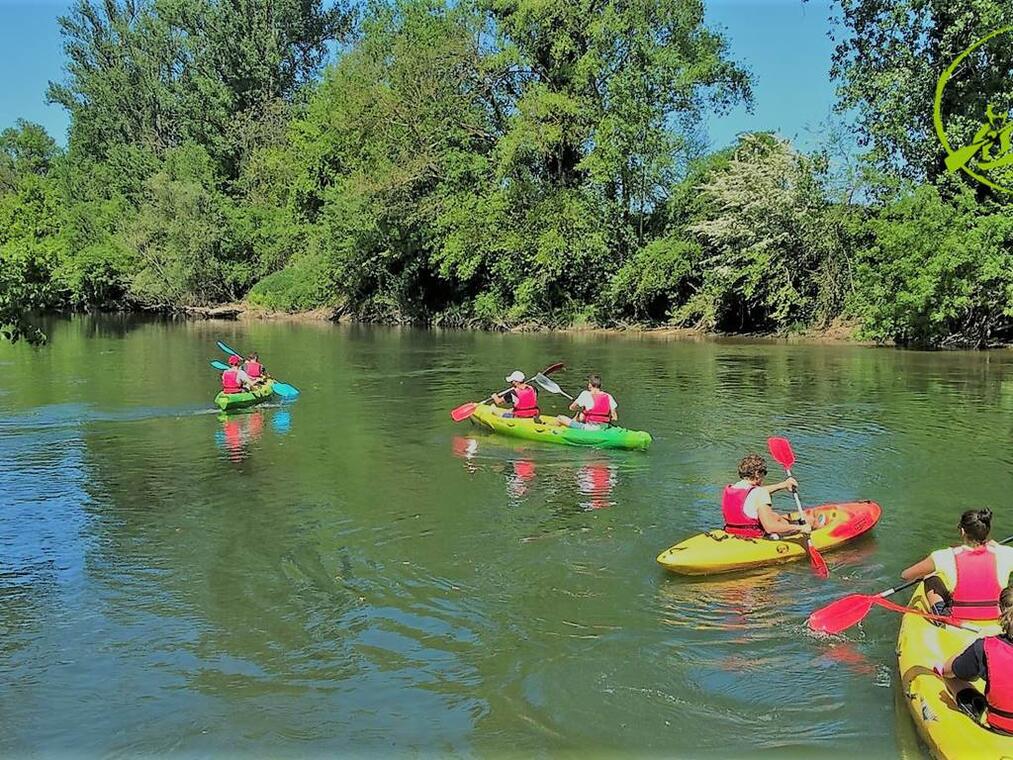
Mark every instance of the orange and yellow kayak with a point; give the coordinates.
(719, 552)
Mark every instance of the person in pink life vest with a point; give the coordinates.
(594, 407)
(966, 580)
(991, 659)
(234, 379)
(523, 398)
(254, 369)
(746, 505)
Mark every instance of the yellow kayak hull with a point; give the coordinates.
(719, 552)
(948, 732)
(547, 428)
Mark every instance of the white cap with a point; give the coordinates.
(515, 377)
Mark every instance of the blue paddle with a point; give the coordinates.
(282, 389)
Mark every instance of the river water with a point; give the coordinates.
(353, 573)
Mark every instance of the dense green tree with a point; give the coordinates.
(30, 243)
(889, 59)
(937, 271)
(158, 73)
(500, 163)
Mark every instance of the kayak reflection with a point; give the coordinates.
(744, 604)
(596, 480)
(522, 466)
(520, 478)
(238, 432)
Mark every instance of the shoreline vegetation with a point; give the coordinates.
(504, 165)
(840, 333)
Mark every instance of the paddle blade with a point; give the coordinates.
(553, 368)
(550, 385)
(781, 450)
(464, 411)
(220, 365)
(842, 614)
(817, 563)
(228, 350)
(285, 390)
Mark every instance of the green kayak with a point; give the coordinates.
(229, 401)
(548, 429)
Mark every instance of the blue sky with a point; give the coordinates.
(782, 42)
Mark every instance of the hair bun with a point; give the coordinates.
(985, 515)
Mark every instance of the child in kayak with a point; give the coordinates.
(989, 658)
(966, 580)
(595, 408)
(234, 379)
(522, 397)
(746, 505)
(254, 369)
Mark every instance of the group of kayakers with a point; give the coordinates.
(969, 582)
(594, 407)
(243, 374)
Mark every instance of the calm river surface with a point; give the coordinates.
(353, 573)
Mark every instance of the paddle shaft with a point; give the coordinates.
(819, 565)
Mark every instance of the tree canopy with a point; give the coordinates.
(501, 163)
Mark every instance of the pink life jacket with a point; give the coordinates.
(601, 411)
(976, 595)
(230, 381)
(999, 683)
(254, 369)
(525, 403)
(737, 522)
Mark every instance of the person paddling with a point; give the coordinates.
(522, 397)
(966, 580)
(234, 379)
(989, 658)
(254, 369)
(595, 408)
(746, 505)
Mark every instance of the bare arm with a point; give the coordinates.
(785, 485)
(919, 569)
(772, 522)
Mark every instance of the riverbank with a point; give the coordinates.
(840, 332)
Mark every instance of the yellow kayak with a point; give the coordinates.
(948, 732)
(548, 429)
(719, 552)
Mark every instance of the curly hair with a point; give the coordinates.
(752, 466)
(1006, 610)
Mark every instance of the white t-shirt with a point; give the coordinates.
(945, 561)
(756, 499)
(586, 401)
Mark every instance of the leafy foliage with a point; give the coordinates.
(938, 272)
(500, 163)
(888, 63)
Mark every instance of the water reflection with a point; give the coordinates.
(738, 602)
(281, 421)
(238, 431)
(520, 478)
(596, 480)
